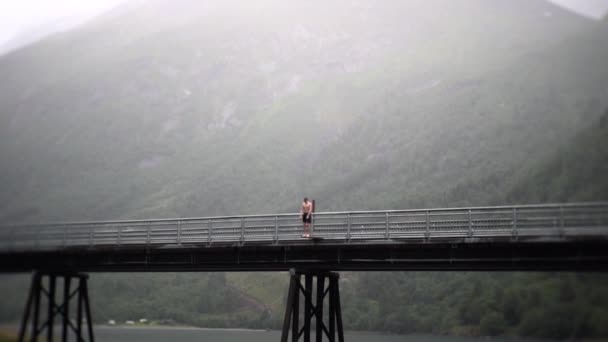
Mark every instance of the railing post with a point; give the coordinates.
(179, 232)
(65, 236)
(602, 218)
(561, 221)
(428, 226)
(242, 230)
(514, 223)
(386, 225)
(276, 229)
(209, 231)
(348, 226)
(470, 224)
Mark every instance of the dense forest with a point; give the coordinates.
(549, 305)
(219, 110)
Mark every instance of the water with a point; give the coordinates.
(162, 334)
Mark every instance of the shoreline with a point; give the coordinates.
(181, 327)
(12, 329)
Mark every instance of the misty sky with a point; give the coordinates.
(22, 15)
(592, 8)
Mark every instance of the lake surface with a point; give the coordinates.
(162, 334)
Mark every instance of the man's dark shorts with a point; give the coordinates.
(306, 218)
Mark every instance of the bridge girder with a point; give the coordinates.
(463, 256)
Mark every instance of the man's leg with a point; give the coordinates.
(304, 225)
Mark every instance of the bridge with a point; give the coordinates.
(570, 237)
(536, 237)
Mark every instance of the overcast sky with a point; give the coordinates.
(591, 8)
(22, 15)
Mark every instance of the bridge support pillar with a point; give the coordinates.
(74, 290)
(312, 309)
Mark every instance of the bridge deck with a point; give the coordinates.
(572, 236)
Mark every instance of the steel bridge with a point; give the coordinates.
(570, 237)
(557, 236)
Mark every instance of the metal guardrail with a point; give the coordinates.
(542, 221)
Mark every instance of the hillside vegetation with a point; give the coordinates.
(183, 108)
(220, 109)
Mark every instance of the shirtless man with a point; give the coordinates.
(306, 213)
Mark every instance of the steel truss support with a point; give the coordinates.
(329, 294)
(57, 309)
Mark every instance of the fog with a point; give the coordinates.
(168, 81)
(592, 8)
(184, 108)
(22, 22)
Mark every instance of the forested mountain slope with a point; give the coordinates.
(222, 109)
(182, 108)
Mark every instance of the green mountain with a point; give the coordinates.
(181, 108)
(575, 172)
(549, 305)
(225, 109)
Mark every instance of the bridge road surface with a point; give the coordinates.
(528, 237)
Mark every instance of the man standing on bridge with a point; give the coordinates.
(306, 213)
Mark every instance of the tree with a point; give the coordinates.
(492, 324)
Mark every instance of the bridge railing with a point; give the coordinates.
(556, 221)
